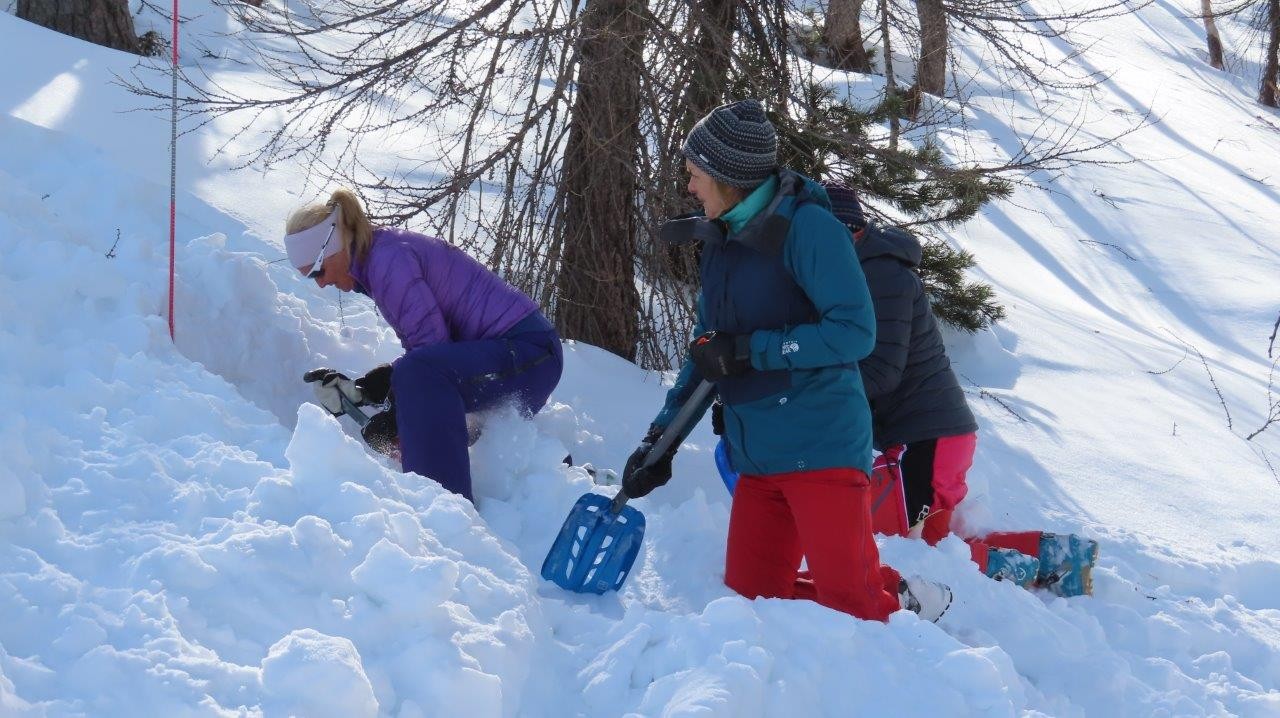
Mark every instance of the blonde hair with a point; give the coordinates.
(359, 231)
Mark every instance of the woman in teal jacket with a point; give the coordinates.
(783, 319)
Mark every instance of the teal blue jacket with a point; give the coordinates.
(785, 271)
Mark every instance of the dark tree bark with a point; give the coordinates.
(1211, 34)
(597, 301)
(890, 83)
(715, 23)
(1268, 94)
(103, 22)
(843, 33)
(931, 73)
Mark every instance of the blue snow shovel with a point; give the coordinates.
(601, 537)
(725, 469)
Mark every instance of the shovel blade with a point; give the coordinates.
(596, 548)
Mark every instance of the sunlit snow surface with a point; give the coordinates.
(181, 533)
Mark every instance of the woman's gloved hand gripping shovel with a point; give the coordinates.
(340, 395)
(601, 537)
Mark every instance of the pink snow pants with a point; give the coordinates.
(927, 478)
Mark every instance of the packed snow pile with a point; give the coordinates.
(182, 533)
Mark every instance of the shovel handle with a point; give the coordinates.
(350, 409)
(669, 435)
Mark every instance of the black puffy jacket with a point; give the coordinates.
(913, 393)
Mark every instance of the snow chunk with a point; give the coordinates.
(309, 673)
(409, 585)
(13, 498)
(10, 703)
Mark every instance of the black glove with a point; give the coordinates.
(720, 354)
(717, 418)
(381, 433)
(638, 481)
(326, 385)
(376, 385)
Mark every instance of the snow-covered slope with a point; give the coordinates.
(182, 534)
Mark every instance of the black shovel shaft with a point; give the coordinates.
(350, 409)
(669, 435)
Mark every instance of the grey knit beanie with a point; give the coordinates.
(735, 144)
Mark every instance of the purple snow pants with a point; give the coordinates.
(436, 386)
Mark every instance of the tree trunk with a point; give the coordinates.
(1271, 67)
(1211, 33)
(708, 83)
(890, 86)
(710, 77)
(104, 22)
(931, 73)
(843, 33)
(596, 300)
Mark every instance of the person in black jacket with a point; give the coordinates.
(922, 425)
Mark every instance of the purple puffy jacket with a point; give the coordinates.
(431, 292)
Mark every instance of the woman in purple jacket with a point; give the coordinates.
(471, 340)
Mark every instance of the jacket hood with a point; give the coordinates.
(889, 242)
(795, 189)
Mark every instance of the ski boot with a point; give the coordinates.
(1005, 564)
(608, 478)
(927, 599)
(1066, 564)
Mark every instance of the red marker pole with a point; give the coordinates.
(173, 166)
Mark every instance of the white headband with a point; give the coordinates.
(303, 247)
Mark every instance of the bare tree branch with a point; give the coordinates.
(1271, 344)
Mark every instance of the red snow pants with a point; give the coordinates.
(922, 482)
(822, 516)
